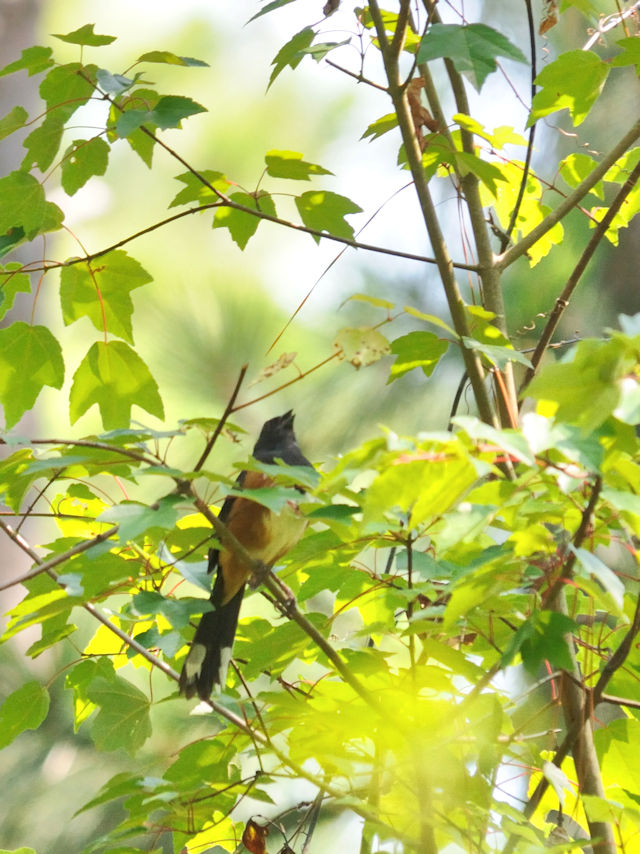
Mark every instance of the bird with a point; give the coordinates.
(266, 535)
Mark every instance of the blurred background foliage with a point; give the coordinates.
(212, 307)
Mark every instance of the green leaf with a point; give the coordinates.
(375, 301)
(472, 48)
(23, 202)
(578, 166)
(381, 126)
(123, 719)
(630, 53)
(115, 377)
(43, 143)
(177, 611)
(65, 89)
(204, 761)
(85, 36)
(362, 346)
(45, 604)
(497, 354)
(424, 487)
(593, 566)
(289, 164)
(542, 637)
(530, 213)
(487, 172)
(319, 50)
(573, 81)
(587, 7)
(325, 211)
(100, 290)
(269, 7)
(241, 225)
(30, 358)
(140, 142)
(289, 54)
(13, 121)
(586, 390)
(430, 318)
(12, 282)
(196, 191)
(167, 113)
(134, 518)
(416, 350)
(169, 58)
(170, 110)
(114, 84)
(34, 60)
(18, 851)
(25, 709)
(10, 240)
(83, 159)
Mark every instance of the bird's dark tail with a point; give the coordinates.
(207, 661)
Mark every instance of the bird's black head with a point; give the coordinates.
(278, 441)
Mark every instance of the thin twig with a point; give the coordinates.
(357, 77)
(346, 241)
(87, 443)
(312, 815)
(227, 412)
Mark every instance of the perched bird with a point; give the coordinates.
(266, 535)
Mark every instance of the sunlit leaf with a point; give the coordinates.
(289, 164)
(361, 347)
(85, 36)
(168, 58)
(325, 211)
(573, 81)
(416, 350)
(243, 225)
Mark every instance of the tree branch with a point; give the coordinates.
(562, 301)
(472, 360)
(490, 274)
(571, 201)
(45, 566)
(346, 241)
(227, 412)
